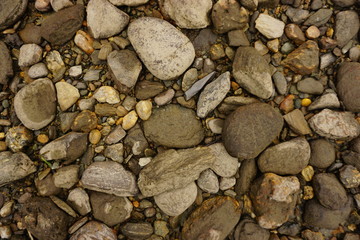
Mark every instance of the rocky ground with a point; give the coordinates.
(192, 120)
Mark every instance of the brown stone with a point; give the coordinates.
(348, 85)
(85, 121)
(294, 32)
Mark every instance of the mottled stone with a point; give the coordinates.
(67, 95)
(11, 11)
(139, 230)
(85, 121)
(5, 63)
(208, 181)
(94, 230)
(348, 85)
(347, 25)
(269, 26)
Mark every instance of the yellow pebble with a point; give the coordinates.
(308, 193)
(136, 204)
(308, 173)
(305, 102)
(42, 138)
(94, 136)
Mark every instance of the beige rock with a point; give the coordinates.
(84, 41)
(107, 94)
(143, 109)
(130, 120)
(312, 32)
(94, 136)
(67, 95)
(269, 26)
(128, 2)
(297, 122)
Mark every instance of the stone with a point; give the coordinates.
(250, 129)
(35, 104)
(105, 50)
(164, 97)
(66, 177)
(188, 14)
(287, 158)
(238, 38)
(224, 165)
(128, 2)
(55, 64)
(326, 60)
(344, 3)
(125, 68)
(214, 219)
(143, 109)
(329, 191)
(310, 86)
(319, 18)
(67, 95)
(312, 32)
(57, 5)
(110, 209)
(94, 230)
(136, 141)
(294, 32)
(252, 72)
(61, 26)
(198, 85)
(109, 177)
(269, 26)
(160, 228)
(66, 119)
(335, 125)
(175, 202)
(347, 25)
(213, 94)
(5, 63)
(42, 5)
(247, 174)
(104, 19)
(174, 126)
(316, 215)
(29, 54)
(322, 153)
(115, 135)
(18, 137)
(227, 15)
(63, 206)
(14, 167)
(297, 15)
(328, 100)
(85, 121)
(215, 125)
(38, 70)
(303, 60)
(227, 183)
(349, 176)
(129, 120)
(139, 230)
(46, 187)
(165, 59)
(208, 181)
(217, 51)
(190, 77)
(347, 85)
(274, 199)
(68, 147)
(94, 136)
(297, 122)
(203, 42)
(115, 152)
(92, 75)
(280, 82)
(107, 94)
(75, 71)
(11, 11)
(84, 41)
(146, 89)
(79, 200)
(248, 230)
(44, 220)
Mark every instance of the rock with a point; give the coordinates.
(42, 5)
(227, 183)
(250, 129)
(214, 219)
(269, 26)
(175, 202)
(29, 54)
(84, 41)
(44, 220)
(190, 77)
(92, 75)
(61, 26)
(139, 230)
(247, 174)
(68, 147)
(280, 83)
(55, 64)
(224, 165)
(107, 94)
(303, 60)
(66, 177)
(27, 104)
(5, 62)
(310, 86)
(143, 109)
(348, 85)
(116, 135)
(238, 38)
(202, 44)
(319, 18)
(128, 2)
(85, 121)
(326, 60)
(335, 125)
(213, 94)
(164, 97)
(79, 200)
(256, 80)
(349, 176)
(296, 121)
(75, 71)
(160, 228)
(188, 14)
(174, 126)
(105, 110)
(294, 32)
(165, 59)
(208, 181)
(136, 140)
(248, 230)
(312, 32)
(227, 15)
(297, 15)
(14, 167)
(46, 187)
(110, 209)
(109, 177)
(215, 125)
(146, 89)
(125, 68)
(115, 152)
(66, 119)
(344, 3)
(94, 230)
(129, 120)
(57, 5)
(198, 85)
(67, 95)
(328, 100)
(38, 70)
(274, 199)
(316, 215)
(346, 26)
(63, 206)
(11, 11)
(18, 137)
(329, 191)
(322, 153)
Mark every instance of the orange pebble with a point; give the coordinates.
(136, 204)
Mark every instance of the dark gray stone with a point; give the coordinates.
(11, 11)
(346, 26)
(322, 153)
(348, 85)
(319, 18)
(5, 61)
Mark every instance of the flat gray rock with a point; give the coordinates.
(346, 26)
(165, 51)
(38, 70)
(79, 200)
(14, 167)
(335, 125)
(128, 2)
(11, 11)
(252, 72)
(208, 181)
(348, 85)
(109, 177)
(213, 94)
(175, 202)
(328, 100)
(319, 18)
(5, 63)
(35, 104)
(29, 54)
(94, 230)
(224, 164)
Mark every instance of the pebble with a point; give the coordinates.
(105, 50)
(66, 177)
(227, 183)
(261, 48)
(5, 63)
(319, 18)
(42, 5)
(176, 53)
(335, 125)
(5, 232)
(280, 83)
(94, 136)
(354, 53)
(79, 200)
(198, 85)
(143, 109)
(67, 95)
(7, 209)
(94, 230)
(326, 60)
(208, 181)
(139, 230)
(109, 177)
(115, 152)
(46, 187)
(42, 138)
(75, 71)
(348, 85)
(238, 38)
(297, 15)
(85, 121)
(29, 54)
(269, 26)
(297, 122)
(84, 41)
(294, 32)
(322, 153)
(136, 140)
(273, 45)
(347, 25)
(312, 32)
(107, 94)
(217, 51)
(328, 100)
(17, 138)
(160, 228)
(57, 5)
(175, 202)
(38, 70)
(310, 86)
(189, 78)
(116, 135)
(128, 2)
(164, 97)
(216, 125)
(55, 64)
(349, 176)
(92, 75)
(129, 120)
(248, 230)
(224, 165)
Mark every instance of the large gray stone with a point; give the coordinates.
(346, 26)
(224, 164)
(348, 85)
(165, 51)
(5, 63)
(11, 11)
